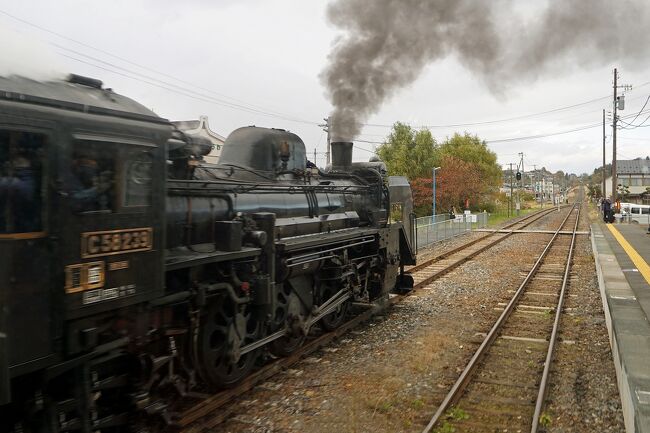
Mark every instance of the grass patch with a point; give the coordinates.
(501, 214)
(417, 404)
(545, 420)
(457, 414)
(384, 407)
(445, 428)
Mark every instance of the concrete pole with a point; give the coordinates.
(604, 177)
(433, 180)
(614, 138)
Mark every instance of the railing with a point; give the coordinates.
(443, 227)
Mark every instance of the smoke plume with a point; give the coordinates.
(28, 57)
(387, 43)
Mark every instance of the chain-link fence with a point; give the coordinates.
(443, 227)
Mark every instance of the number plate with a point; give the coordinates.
(108, 243)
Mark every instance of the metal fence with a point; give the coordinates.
(442, 227)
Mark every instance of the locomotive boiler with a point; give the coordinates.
(133, 272)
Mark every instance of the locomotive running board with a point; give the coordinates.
(297, 243)
(179, 258)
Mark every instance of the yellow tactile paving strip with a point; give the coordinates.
(636, 258)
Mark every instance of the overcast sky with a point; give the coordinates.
(254, 62)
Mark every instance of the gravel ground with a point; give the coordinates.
(390, 374)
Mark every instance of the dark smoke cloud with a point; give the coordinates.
(387, 43)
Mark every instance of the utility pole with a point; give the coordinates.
(617, 100)
(510, 202)
(614, 140)
(604, 137)
(540, 185)
(326, 128)
(523, 171)
(521, 183)
(315, 157)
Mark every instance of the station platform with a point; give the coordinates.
(622, 254)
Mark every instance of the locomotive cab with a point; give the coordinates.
(80, 219)
(25, 308)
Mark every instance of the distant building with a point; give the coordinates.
(201, 128)
(546, 186)
(633, 175)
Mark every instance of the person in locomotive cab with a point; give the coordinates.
(89, 187)
(18, 196)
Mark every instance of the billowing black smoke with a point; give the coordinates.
(387, 44)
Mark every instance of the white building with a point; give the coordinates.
(547, 187)
(634, 176)
(201, 128)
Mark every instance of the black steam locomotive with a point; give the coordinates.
(131, 271)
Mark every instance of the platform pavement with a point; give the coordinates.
(622, 254)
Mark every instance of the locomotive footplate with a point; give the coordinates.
(180, 258)
(323, 239)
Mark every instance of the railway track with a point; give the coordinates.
(210, 411)
(438, 266)
(503, 387)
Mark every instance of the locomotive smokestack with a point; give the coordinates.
(341, 155)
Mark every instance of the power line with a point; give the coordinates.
(639, 113)
(62, 36)
(152, 81)
(531, 137)
(509, 119)
(240, 106)
(525, 116)
(179, 92)
(366, 150)
(631, 127)
(244, 106)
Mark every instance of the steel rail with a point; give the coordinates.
(556, 324)
(464, 378)
(528, 219)
(473, 254)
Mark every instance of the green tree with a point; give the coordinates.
(408, 152)
(473, 150)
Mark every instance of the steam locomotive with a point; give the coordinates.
(132, 271)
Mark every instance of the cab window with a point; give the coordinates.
(636, 211)
(21, 172)
(108, 177)
(137, 179)
(92, 177)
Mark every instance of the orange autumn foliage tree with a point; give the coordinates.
(456, 182)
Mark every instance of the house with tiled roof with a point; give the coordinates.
(632, 175)
(201, 128)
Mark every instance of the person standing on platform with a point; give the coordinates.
(607, 206)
